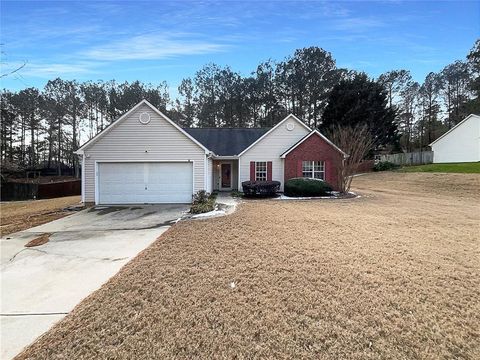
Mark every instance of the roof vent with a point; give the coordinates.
(144, 118)
(290, 126)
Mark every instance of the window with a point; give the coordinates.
(261, 171)
(313, 169)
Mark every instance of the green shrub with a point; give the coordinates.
(236, 194)
(299, 187)
(385, 166)
(203, 202)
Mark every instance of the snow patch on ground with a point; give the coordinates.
(335, 195)
(209, 214)
(225, 205)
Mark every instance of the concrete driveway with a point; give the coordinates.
(40, 285)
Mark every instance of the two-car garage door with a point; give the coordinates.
(145, 182)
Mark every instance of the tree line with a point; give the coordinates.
(43, 128)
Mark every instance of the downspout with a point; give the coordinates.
(83, 178)
(208, 155)
(239, 178)
(344, 175)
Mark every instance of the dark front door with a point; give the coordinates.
(226, 176)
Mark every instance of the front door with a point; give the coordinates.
(226, 170)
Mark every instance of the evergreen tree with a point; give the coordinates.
(362, 101)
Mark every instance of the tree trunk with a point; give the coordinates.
(22, 141)
(32, 150)
(59, 152)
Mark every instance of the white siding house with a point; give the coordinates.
(271, 146)
(143, 157)
(459, 144)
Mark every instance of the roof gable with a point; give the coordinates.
(471, 116)
(122, 118)
(313, 132)
(289, 117)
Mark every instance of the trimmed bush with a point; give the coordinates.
(203, 202)
(300, 187)
(260, 188)
(385, 166)
(236, 194)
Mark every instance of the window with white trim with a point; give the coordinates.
(313, 169)
(260, 171)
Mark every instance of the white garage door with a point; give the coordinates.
(145, 183)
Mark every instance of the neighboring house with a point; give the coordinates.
(144, 157)
(460, 144)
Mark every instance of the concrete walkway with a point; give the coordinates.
(40, 285)
(225, 205)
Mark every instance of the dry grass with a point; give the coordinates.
(392, 275)
(40, 240)
(20, 215)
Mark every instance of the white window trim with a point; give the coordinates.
(266, 169)
(312, 164)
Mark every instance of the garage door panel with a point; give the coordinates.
(151, 182)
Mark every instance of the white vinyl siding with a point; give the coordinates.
(461, 144)
(270, 148)
(131, 141)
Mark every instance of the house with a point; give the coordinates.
(460, 144)
(144, 157)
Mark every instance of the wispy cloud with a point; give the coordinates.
(154, 47)
(357, 24)
(46, 70)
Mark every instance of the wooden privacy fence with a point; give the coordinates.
(411, 158)
(11, 191)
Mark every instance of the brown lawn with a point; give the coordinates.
(394, 274)
(20, 215)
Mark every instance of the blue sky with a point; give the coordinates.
(159, 40)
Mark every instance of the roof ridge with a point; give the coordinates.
(243, 128)
(226, 141)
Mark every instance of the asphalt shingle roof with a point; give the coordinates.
(226, 141)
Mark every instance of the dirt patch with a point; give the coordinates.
(20, 215)
(42, 239)
(393, 274)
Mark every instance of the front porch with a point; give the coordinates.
(225, 175)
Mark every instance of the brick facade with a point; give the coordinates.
(315, 148)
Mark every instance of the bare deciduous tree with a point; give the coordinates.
(356, 142)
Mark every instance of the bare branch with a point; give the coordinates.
(356, 142)
(13, 71)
